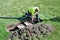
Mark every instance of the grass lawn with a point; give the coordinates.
(49, 9)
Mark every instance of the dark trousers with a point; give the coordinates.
(37, 18)
(28, 17)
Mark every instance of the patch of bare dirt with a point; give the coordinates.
(27, 32)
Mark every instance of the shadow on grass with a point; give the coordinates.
(56, 19)
(18, 18)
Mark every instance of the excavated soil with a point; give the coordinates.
(28, 32)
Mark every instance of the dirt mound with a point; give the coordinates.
(28, 32)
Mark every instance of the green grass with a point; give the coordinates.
(14, 8)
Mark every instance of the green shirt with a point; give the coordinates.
(32, 10)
